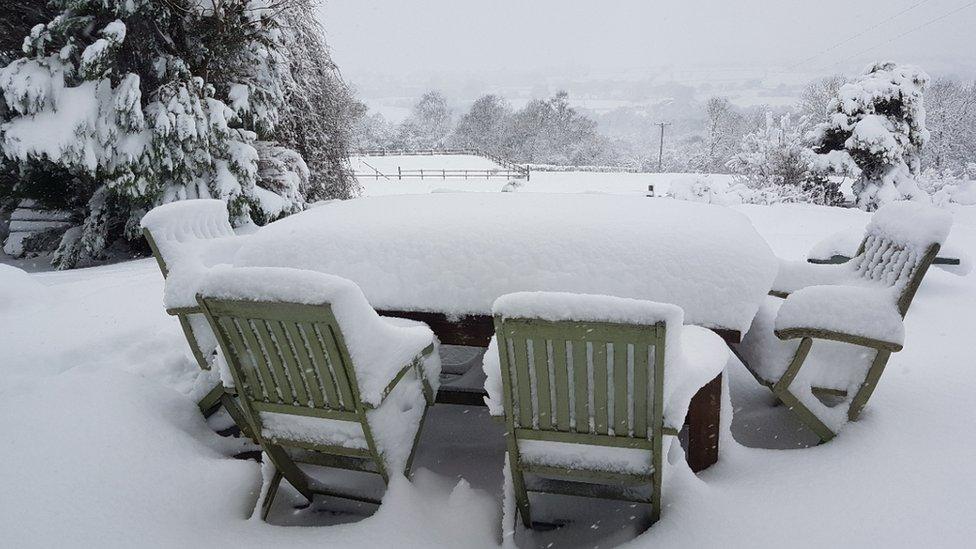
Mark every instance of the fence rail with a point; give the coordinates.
(443, 174)
(511, 171)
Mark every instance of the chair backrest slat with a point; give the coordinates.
(589, 378)
(540, 369)
(581, 387)
(883, 261)
(313, 385)
(560, 371)
(323, 367)
(287, 354)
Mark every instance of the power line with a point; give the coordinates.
(856, 36)
(907, 32)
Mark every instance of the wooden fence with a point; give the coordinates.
(510, 170)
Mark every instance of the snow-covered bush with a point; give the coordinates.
(877, 126)
(947, 186)
(775, 164)
(701, 188)
(145, 102)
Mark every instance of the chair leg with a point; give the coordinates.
(416, 439)
(374, 449)
(270, 494)
(237, 414)
(805, 415)
(288, 469)
(656, 497)
(521, 494)
(210, 403)
(782, 391)
(867, 387)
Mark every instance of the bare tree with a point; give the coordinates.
(950, 108)
(816, 97)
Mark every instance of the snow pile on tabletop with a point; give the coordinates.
(378, 349)
(693, 355)
(456, 253)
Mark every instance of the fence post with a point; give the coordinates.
(399, 173)
(443, 174)
(421, 174)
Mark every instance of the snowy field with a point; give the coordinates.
(105, 446)
(539, 181)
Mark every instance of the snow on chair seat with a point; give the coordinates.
(857, 322)
(617, 378)
(322, 378)
(869, 313)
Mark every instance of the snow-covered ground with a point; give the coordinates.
(104, 445)
(539, 182)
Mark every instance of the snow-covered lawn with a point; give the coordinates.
(104, 445)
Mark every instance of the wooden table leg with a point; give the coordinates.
(704, 414)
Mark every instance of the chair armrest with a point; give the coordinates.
(178, 311)
(815, 333)
(795, 275)
(851, 314)
(415, 365)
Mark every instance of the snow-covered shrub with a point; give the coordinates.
(145, 102)
(947, 186)
(877, 126)
(775, 164)
(701, 188)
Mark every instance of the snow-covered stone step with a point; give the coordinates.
(29, 219)
(34, 214)
(32, 226)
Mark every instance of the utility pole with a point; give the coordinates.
(660, 150)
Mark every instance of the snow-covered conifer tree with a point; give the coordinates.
(147, 102)
(878, 126)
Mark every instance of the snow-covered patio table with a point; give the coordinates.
(445, 257)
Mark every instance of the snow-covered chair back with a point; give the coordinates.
(900, 243)
(170, 228)
(583, 343)
(583, 379)
(317, 369)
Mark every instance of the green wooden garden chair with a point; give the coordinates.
(822, 342)
(299, 390)
(583, 425)
(178, 232)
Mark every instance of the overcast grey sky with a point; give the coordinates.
(447, 36)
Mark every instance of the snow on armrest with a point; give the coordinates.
(704, 355)
(858, 311)
(842, 243)
(794, 275)
(379, 349)
(188, 263)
